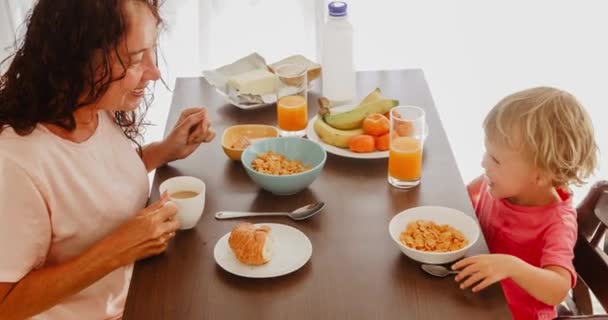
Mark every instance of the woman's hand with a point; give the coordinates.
(146, 234)
(192, 128)
(484, 270)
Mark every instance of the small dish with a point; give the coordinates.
(253, 133)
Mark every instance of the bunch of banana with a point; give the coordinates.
(333, 136)
(373, 103)
(336, 129)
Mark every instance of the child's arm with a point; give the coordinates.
(474, 190)
(549, 285)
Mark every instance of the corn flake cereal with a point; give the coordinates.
(426, 235)
(277, 164)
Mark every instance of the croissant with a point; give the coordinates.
(251, 244)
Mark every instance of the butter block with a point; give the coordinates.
(256, 82)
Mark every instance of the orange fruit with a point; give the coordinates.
(361, 143)
(382, 142)
(376, 124)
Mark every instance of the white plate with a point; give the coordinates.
(292, 249)
(343, 152)
(239, 105)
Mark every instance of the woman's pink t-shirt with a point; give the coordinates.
(541, 236)
(57, 198)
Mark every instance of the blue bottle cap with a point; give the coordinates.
(337, 8)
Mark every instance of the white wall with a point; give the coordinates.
(476, 52)
(12, 14)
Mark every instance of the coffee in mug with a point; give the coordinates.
(183, 194)
(188, 194)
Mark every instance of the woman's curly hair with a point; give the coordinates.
(52, 72)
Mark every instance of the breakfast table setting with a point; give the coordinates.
(306, 209)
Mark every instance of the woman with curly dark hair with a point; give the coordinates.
(73, 179)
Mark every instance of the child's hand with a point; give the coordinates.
(485, 270)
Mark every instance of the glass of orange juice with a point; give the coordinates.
(292, 106)
(407, 134)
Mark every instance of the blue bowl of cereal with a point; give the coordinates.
(434, 235)
(284, 166)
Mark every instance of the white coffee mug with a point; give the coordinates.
(189, 210)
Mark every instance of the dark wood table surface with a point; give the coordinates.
(355, 272)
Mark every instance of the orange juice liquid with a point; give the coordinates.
(405, 159)
(292, 113)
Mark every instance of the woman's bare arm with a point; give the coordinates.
(41, 289)
(145, 235)
(154, 155)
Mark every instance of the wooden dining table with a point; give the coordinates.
(356, 271)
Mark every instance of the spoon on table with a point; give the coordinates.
(302, 213)
(437, 270)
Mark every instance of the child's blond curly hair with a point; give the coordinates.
(551, 127)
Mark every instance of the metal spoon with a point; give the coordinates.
(302, 213)
(437, 270)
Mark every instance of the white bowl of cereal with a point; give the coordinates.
(284, 166)
(432, 234)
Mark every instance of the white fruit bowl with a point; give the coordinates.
(440, 215)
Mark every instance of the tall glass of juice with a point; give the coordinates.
(407, 134)
(292, 106)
